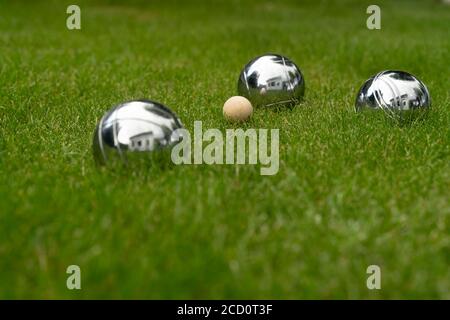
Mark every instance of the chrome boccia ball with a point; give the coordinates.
(398, 93)
(135, 130)
(271, 80)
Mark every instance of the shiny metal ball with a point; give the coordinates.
(398, 93)
(271, 80)
(135, 130)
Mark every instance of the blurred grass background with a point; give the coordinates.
(352, 190)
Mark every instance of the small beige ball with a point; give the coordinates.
(237, 108)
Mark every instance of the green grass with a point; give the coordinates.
(352, 190)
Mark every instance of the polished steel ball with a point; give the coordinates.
(398, 93)
(135, 129)
(271, 80)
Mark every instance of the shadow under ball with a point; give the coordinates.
(135, 131)
(271, 80)
(399, 94)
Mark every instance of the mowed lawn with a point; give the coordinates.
(352, 190)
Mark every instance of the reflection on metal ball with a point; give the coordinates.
(271, 80)
(398, 93)
(135, 129)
